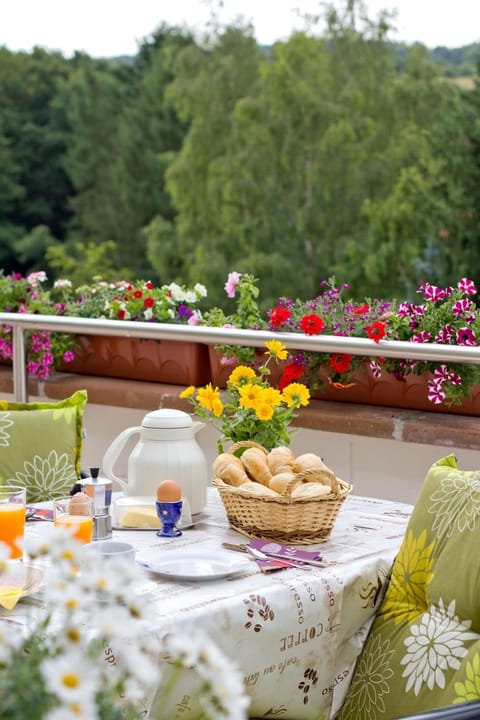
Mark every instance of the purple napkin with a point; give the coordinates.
(287, 552)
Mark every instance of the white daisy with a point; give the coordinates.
(226, 697)
(77, 710)
(71, 677)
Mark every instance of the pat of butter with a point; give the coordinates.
(139, 517)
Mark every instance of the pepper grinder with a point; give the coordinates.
(100, 489)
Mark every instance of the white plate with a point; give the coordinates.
(188, 564)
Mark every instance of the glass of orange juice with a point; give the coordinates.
(13, 500)
(76, 513)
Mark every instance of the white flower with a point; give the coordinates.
(200, 289)
(73, 711)
(57, 542)
(435, 644)
(71, 677)
(190, 296)
(62, 283)
(148, 314)
(37, 277)
(176, 292)
(226, 698)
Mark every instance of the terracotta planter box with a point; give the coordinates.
(389, 392)
(165, 361)
(386, 392)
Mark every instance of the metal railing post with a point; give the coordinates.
(20, 375)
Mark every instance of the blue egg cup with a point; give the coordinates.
(169, 514)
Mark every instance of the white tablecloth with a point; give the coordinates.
(294, 633)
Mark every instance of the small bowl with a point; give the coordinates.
(108, 549)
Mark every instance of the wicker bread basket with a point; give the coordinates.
(283, 518)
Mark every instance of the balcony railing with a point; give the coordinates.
(21, 323)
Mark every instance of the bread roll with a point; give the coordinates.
(284, 482)
(314, 470)
(310, 490)
(255, 463)
(234, 475)
(307, 461)
(224, 459)
(254, 488)
(280, 459)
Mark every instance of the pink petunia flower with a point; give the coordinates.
(232, 283)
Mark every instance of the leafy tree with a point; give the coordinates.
(28, 87)
(208, 82)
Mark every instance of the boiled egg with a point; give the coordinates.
(169, 491)
(79, 504)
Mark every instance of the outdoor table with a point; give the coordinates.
(294, 633)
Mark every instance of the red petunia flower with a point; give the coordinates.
(361, 309)
(138, 294)
(290, 373)
(149, 285)
(279, 315)
(312, 324)
(376, 331)
(340, 362)
(149, 302)
(121, 314)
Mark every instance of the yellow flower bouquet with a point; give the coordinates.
(251, 408)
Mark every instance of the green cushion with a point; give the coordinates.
(40, 445)
(423, 650)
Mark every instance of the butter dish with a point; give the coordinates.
(139, 513)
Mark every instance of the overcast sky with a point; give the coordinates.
(117, 27)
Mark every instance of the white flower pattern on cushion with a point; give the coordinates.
(456, 504)
(435, 645)
(370, 682)
(5, 423)
(47, 478)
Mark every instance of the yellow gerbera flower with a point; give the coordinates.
(264, 411)
(217, 407)
(248, 395)
(276, 349)
(241, 375)
(296, 394)
(188, 392)
(207, 396)
(273, 396)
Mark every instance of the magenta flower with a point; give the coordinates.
(436, 394)
(465, 336)
(432, 293)
(446, 334)
(461, 307)
(421, 337)
(467, 286)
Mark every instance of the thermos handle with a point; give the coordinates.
(112, 454)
